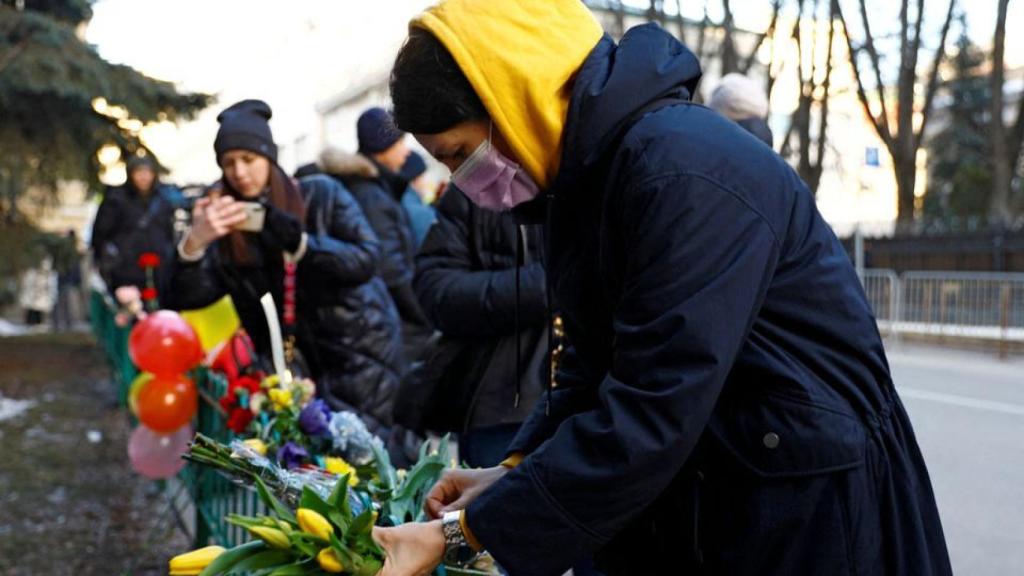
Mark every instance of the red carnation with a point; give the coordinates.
(248, 382)
(148, 294)
(239, 420)
(149, 260)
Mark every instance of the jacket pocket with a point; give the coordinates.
(780, 478)
(779, 437)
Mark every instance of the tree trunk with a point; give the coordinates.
(906, 180)
(730, 60)
(901, 139)
(1002, 167)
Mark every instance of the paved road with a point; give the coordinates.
(968, 412)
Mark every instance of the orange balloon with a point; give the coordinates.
(167, 402)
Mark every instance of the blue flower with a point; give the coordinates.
(291, 455)
(314, 418)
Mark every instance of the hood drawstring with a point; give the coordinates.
(519, 340)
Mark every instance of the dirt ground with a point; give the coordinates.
(69, 503)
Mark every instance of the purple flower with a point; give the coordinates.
(291, 455)
(314, 418)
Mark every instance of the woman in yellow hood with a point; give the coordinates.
(725, 406)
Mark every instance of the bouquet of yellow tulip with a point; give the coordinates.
(321, 537)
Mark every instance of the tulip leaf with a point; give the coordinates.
(261, 560)
(229, 558)
(271, 501)
(361, 525)
(339, 496)
(314, 502)
(370, 567)
(302, 542)
(297, 569)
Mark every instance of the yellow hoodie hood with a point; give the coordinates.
(520, 56)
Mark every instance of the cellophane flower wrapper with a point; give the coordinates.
(351, 439)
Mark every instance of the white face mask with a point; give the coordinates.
(492, 181)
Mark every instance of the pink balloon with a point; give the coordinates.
(158, 456)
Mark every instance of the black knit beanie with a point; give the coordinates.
(376, 131)
(138, 162)
(244, 126)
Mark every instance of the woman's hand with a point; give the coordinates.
(457, 488)
(212, 219)
(413, 549)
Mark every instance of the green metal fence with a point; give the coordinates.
(114, 340)
(211, 496)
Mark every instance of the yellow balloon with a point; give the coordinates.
(215, 323)
(133, 391)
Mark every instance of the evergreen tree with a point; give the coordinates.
(52, 87)
(960, 155)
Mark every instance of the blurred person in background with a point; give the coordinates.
(466, 281)
(134, 219)
(373, 176)
(743, 101)
(421, 215)
(38, 292)
(68, 265)
(313, 237)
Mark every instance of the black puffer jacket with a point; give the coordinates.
(465, 281)
(129, 224)
(348, 329)
(379, 193)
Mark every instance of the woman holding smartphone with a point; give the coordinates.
(308, 244)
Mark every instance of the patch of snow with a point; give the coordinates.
(11, 408)
(11, 329)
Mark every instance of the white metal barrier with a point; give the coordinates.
(977, 305)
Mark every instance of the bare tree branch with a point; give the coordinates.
(932, 87)
(680, 21)
(862, 95)
(826, 89)
(769, 32)
(869, 46)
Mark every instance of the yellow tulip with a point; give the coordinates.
(193, 562)
(280, 398)
(329, 561)
(285, 527)
(272, 536)
(256, 445)
(313, 523)
(340, 467)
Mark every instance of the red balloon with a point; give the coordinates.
(164, 343)
(166, 403)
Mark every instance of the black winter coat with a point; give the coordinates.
(728, 408)
(465, 281)
(128, 225)
(379, 193)
(348, 329)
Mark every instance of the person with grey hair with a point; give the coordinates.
(743, 101)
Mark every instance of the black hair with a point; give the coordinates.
(429, 92)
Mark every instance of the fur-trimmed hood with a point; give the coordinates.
(337, 162)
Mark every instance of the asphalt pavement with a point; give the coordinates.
(967, 409)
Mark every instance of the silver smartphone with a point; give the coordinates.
(255, 214)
